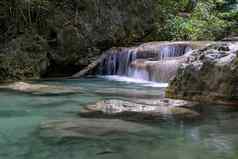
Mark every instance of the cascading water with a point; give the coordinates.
(117, 63)
(173, 51)
(147, 62)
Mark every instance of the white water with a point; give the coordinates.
(173, 51)
(134, 80)
(126, 65)
(234, 47)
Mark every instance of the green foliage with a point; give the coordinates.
(205, 19)
(20, 16)
(210, 20)
(26, 58)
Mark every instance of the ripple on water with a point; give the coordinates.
(212, 137)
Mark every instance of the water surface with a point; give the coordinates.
(214, 136)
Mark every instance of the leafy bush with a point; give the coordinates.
(210, 20)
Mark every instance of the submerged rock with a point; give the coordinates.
(39, 88)
(129, 93)
(208, 75)
(142, 110)
(89, 128)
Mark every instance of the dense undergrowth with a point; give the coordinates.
(199, 20)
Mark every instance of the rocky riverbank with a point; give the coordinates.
(208, 75)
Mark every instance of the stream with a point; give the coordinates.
(214, 136)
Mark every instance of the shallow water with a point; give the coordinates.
(214, 136)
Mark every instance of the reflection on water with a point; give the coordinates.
(135, 80)
(214, 136)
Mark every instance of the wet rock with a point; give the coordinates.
(158, 71)
(139, 111)
(89, 128)
(208, 75)
(143, 59)
(147, 60)
(39, 88)
(232, 38)
(165, 102)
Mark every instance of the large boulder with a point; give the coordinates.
(139, 111)
(208, 75)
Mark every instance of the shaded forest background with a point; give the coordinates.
(42, 38)
(175, 20)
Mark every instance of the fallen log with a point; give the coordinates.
(91, 66)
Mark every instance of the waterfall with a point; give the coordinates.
(146, 62)
(173, 51)
(117, 62)
(158, 71)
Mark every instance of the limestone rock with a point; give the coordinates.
(146, 61)
(139, 111)
(39, 88)
(208, 75)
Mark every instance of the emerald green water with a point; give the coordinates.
(214, 136)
